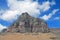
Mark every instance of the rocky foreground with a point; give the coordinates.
(27, 36)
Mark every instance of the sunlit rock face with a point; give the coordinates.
(26, 23)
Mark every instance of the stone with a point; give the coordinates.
(26, 23)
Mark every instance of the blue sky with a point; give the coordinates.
(48, 10)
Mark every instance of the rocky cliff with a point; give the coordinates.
(27, 23)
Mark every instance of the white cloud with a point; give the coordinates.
(18, 7)
(2, 27)
(9, 15)
(47, 17)
(46, 5)
(52, 3)
(56, 18)
(24, 6)
(54, 11)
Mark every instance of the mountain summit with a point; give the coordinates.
(27, 23)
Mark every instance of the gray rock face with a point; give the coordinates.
(27, 23)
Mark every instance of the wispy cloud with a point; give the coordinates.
(47, 17)
(57, 18)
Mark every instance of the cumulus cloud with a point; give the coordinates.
(47, 17)
(24, 6)
(18, 7)
(9, 15)
(46, 5)
(2, 27)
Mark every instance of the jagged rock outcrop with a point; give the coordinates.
(27, 23)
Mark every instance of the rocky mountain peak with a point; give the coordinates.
(27, 23)
(25, 14)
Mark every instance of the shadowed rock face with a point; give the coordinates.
(27, 23)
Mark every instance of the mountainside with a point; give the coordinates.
(27, 23)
